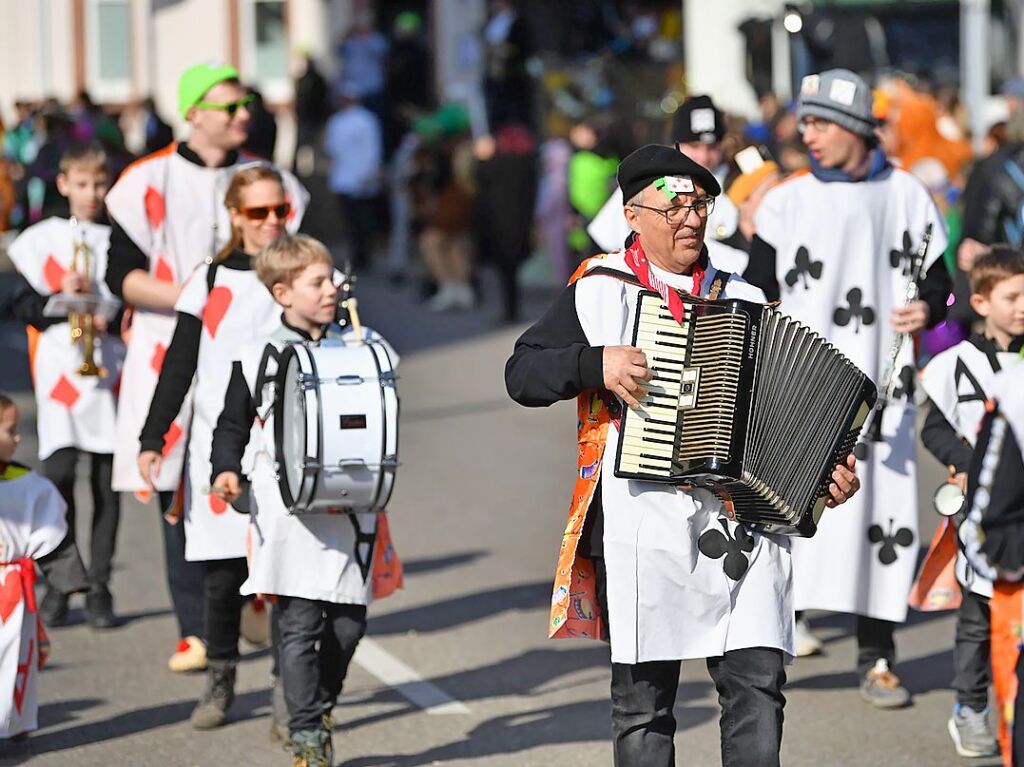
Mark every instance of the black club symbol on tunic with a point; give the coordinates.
(804, 267)
(903, 259)
(715, 545)
(856, 310)
(902, 537)
(905, 389)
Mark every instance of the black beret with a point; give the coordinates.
(653, 161)
(698, 119)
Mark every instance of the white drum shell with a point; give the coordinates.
(343, 404)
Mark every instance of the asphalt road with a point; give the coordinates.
(458, 669)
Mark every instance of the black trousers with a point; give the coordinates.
(184, 578)
(749, 684)
(359, 214)
(875, 640)
(224, 577)
(59, 468)
(972, 652)
(318, 640)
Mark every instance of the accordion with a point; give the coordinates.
(747, 403)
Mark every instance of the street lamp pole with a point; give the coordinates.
(974, 23)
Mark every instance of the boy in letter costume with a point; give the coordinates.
(993, 538)
(32, 528)
(835, 244)
(74, 412)
(958, 382)
(322, 569)
(168, 216)
(656, 567)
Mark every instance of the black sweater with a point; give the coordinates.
(179, 368)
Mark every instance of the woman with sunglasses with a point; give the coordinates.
(222, 307)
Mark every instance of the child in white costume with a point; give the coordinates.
(32, 528)
(323, 569)
(222, 307)
(75, 413)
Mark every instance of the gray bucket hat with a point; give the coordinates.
(839, 96)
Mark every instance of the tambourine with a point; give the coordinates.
(949, 499)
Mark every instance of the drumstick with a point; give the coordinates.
(352, 306)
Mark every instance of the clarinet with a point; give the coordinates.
(872, 429)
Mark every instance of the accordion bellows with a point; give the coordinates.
(745, 402)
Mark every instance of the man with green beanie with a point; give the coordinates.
(168, 215)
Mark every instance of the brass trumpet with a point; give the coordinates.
(83, 323)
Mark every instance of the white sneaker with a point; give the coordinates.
(444, 299)
(465, 297)
(804, 641)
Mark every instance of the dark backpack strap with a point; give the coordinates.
(604, 271)
(718, 285)
(211, 276)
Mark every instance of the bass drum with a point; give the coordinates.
(336, 427)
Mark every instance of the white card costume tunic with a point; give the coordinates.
(325, 557)
(173, 210)
(958, 382)
(842, 264)
(666, 599)
(239, 310)
(72, 410)
(32, 525)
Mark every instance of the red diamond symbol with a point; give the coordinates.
(171, 438)
(154, 202)
(163, 270)
(64, 392)
(53, 273)
(157, 360)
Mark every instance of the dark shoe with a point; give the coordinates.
(212, 709)
(54, 609)
(278, 713)
(99, 608)
(328, 724)
(882, 688)
(309, 749)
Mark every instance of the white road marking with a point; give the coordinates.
(410, 685)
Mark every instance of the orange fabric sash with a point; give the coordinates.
(1007, 611)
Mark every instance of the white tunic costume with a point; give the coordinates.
(842, 255)
(238, 310)
(666, 599)
(325, 557)
(31, 526)
(173, 210)
(958, 382)
(72, 410)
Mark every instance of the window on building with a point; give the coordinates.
(265, 47)
(109, 49)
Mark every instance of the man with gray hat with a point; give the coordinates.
(835, 244)
(643, 564)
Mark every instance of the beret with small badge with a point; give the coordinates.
(668, 169)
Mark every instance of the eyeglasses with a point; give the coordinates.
(677, 214)
(260, 212)
(812, 121)
(231, 107)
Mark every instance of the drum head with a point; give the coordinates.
(949, 499)
(290, 429)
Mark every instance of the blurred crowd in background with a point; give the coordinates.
(428, 191)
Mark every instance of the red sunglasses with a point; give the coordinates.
(260, 212)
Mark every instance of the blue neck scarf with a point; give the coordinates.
(878, 169)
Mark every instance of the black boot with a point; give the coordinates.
(212, 709)
(99, 608)
(54, 608)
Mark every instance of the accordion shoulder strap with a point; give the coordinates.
(718, 285)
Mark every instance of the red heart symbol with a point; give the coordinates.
(171, 438)
(154, 202)
(217, 304)
(10, 593)
(53, 273)
(163, 271)
(157, 360)
(218, 505)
